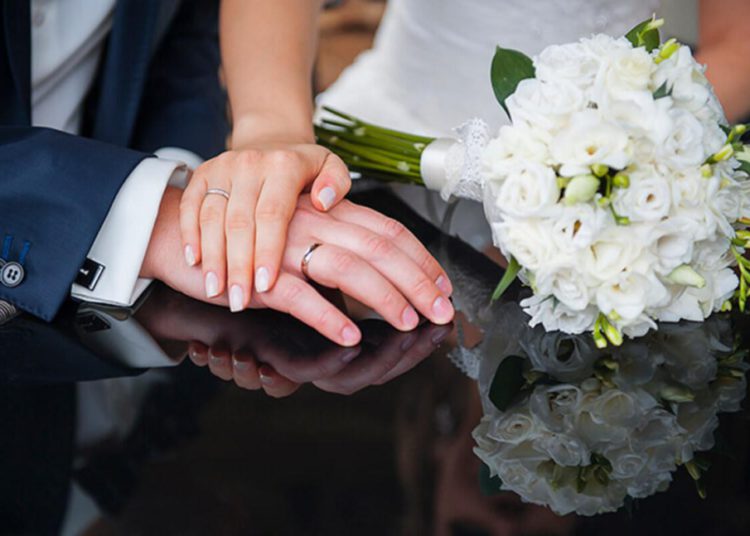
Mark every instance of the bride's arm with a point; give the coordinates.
(725, 47)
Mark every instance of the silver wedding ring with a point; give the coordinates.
(304, 265)
(217, 191)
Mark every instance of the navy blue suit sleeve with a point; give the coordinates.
(183, 104)
(55, 192)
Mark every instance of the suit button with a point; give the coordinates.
(12, 274)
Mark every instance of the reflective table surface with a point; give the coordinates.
(176, 417)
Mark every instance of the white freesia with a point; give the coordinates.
(529, 189)
(648, 198)
(626, 72)
(573, 62)
(566, 284)
(528, 241)
(543, 105)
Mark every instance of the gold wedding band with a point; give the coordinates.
(217, 191)
(306, 259)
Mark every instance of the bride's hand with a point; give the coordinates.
(241, 239)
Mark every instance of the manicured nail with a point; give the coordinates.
(189, 255)
(349, 355)
(212, 285)
(240, 366)
(326, 197)
(440, 335)
(236, 297)
(262, 279)
(266, 376)
(443, 285)
(408, 342)
(409, 317)
(350, 335)
(443, 309)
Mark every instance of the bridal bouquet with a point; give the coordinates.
(581, 430)
(617, 192)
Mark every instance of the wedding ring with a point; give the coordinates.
(306, 259)
(217, 191)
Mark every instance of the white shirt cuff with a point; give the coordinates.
(123, 239)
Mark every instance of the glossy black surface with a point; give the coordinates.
(107, 428)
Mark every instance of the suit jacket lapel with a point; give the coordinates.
(136, 29)
(17, 30)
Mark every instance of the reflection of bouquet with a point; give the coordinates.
(579, 430)
(615, 193)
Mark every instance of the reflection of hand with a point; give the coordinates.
(279, 368)
(368, 256)
(244, 236)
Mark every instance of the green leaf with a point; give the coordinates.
(488, 485)
(646, 34)
(662, 92)
(508, 277)
(744, 166)
(508, 382)
(509, 67)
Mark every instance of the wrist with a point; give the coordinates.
(164, 235)
(269, 128)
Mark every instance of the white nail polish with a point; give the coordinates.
(262, 279)
(189, 255)
(236, 297)
(326, 197)
(212, 285)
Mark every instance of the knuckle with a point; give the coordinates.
(379, 246)
(282, 158)
(291, 293)
(393, 229)
(344, 262)
(270, 211)
(249, 157)
(422, 287)
(209, 216)
(239, 222)
(426, 262)
(390, 299)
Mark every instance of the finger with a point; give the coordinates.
(240, 241)
(275, 209)
(336, 267)
(399, 268)
(324, 365)
(427, 341)
(274, 384)
(245, 370)
(190, 207)
(198, 353)
(219, 362)
(332, 183)
(213, 244)
(294, 296)
(400, 235)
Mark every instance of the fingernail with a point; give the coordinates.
(241, 366)
(350, 335)
(262, 279)
(443, 285)
(443, 309)
(236, 297)
(349, 355)
(265, 374)
(440, 334)
(326, 197)
(189, 255)
(408, 342)
(212, 285)
(409, 317)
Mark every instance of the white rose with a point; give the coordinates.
(528, 241)
(627, 295)
(555, 316)
(544, 105)
(672, 243)
(684, 77)
(689, 188)
(648, 198)
(514, 427)
(587, 140)
(684, 146)
(576, 227)
(625, 72)
(512, 143)
(572, 61)
(619, 408)
(625, 462)
(602, 47)
(529, 189)
(564, 449)
(616, 248)
(565, 283)
(726, 206)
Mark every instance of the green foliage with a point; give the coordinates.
(508, 382)
(509, 67)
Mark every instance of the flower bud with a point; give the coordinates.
(707, 171)
(621, 180)
(693, 469)
(676, 393)
(600, 170)
(653, 24)
(725, 153)
(686, 275)
(581, 189)
(667, 50)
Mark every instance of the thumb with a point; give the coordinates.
(332, 183)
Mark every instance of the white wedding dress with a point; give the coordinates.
(428, 70)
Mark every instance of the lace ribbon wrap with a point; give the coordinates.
(453, 167)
